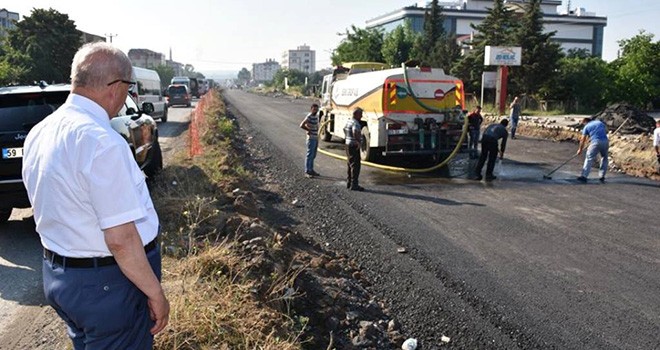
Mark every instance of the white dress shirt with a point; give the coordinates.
(81, 178)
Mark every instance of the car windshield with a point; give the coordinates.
(177, 90)
(23, 111)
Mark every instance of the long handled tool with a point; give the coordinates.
(548, 175)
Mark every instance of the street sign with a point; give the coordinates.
(503, 56)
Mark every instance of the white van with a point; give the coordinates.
(148, 90)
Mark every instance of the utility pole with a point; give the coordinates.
(110, 36)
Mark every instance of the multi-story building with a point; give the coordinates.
(264, 72)
(145, 58)
(7, 20)
(302, 59)
(176, 66)
(575, 28)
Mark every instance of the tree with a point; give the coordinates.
(189, 71)
(166, 73)
(398, 45)
(497, 29)
(637, 71)
(362, 45)
(316, 78)
(293, 76)
(433, 31)
(445, 53)
(582, 82)
(43, 45)
(540, 56)
(244, 76)
(10, 74)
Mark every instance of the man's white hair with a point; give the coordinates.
(97, 64)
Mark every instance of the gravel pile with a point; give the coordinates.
(627, 119)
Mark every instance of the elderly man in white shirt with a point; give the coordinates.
(94, 213)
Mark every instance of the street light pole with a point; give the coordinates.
(110, 36)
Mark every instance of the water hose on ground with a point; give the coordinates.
(409, 170)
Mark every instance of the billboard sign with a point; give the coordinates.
(502, 56)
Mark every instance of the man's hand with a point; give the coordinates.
(579, 151)
(501, 155)
(159, 311)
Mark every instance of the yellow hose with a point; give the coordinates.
(401, 169)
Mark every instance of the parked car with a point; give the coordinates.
(22, 107)
(178, 94)
(148, 90)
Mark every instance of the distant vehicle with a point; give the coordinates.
(22, 107)
(148, 90)
(178, 94)
(191, 83)
(210, 83)
(181, 81)
(194, 87)
(203, 86)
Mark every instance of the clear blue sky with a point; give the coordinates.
(230, 34)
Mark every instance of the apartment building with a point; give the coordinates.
(302, 59)
(575, 27)
(264, 72)
(7, 20)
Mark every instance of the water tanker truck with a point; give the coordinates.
(407, 111)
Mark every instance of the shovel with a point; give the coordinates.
(548, 175)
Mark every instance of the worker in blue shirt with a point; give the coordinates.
(596, 132)
(492, 134)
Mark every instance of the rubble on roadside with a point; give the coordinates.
(626, 119)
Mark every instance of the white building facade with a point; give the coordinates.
(575, 28)
(145, 58)
(302, 59)
(264, 72)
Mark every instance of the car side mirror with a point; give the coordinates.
(131, 111)
(147, 107)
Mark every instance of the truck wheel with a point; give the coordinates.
(156, 163)
(323, 132)
(367, 153)
(5, 213)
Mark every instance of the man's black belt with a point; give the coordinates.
(89, 262)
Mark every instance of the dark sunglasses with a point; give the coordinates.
(130, 83)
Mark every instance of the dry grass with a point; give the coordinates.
(215, 303)
(213, 307)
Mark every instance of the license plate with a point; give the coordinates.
(8, 153)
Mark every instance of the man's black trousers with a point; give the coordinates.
(353, 155)
(488, 150)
